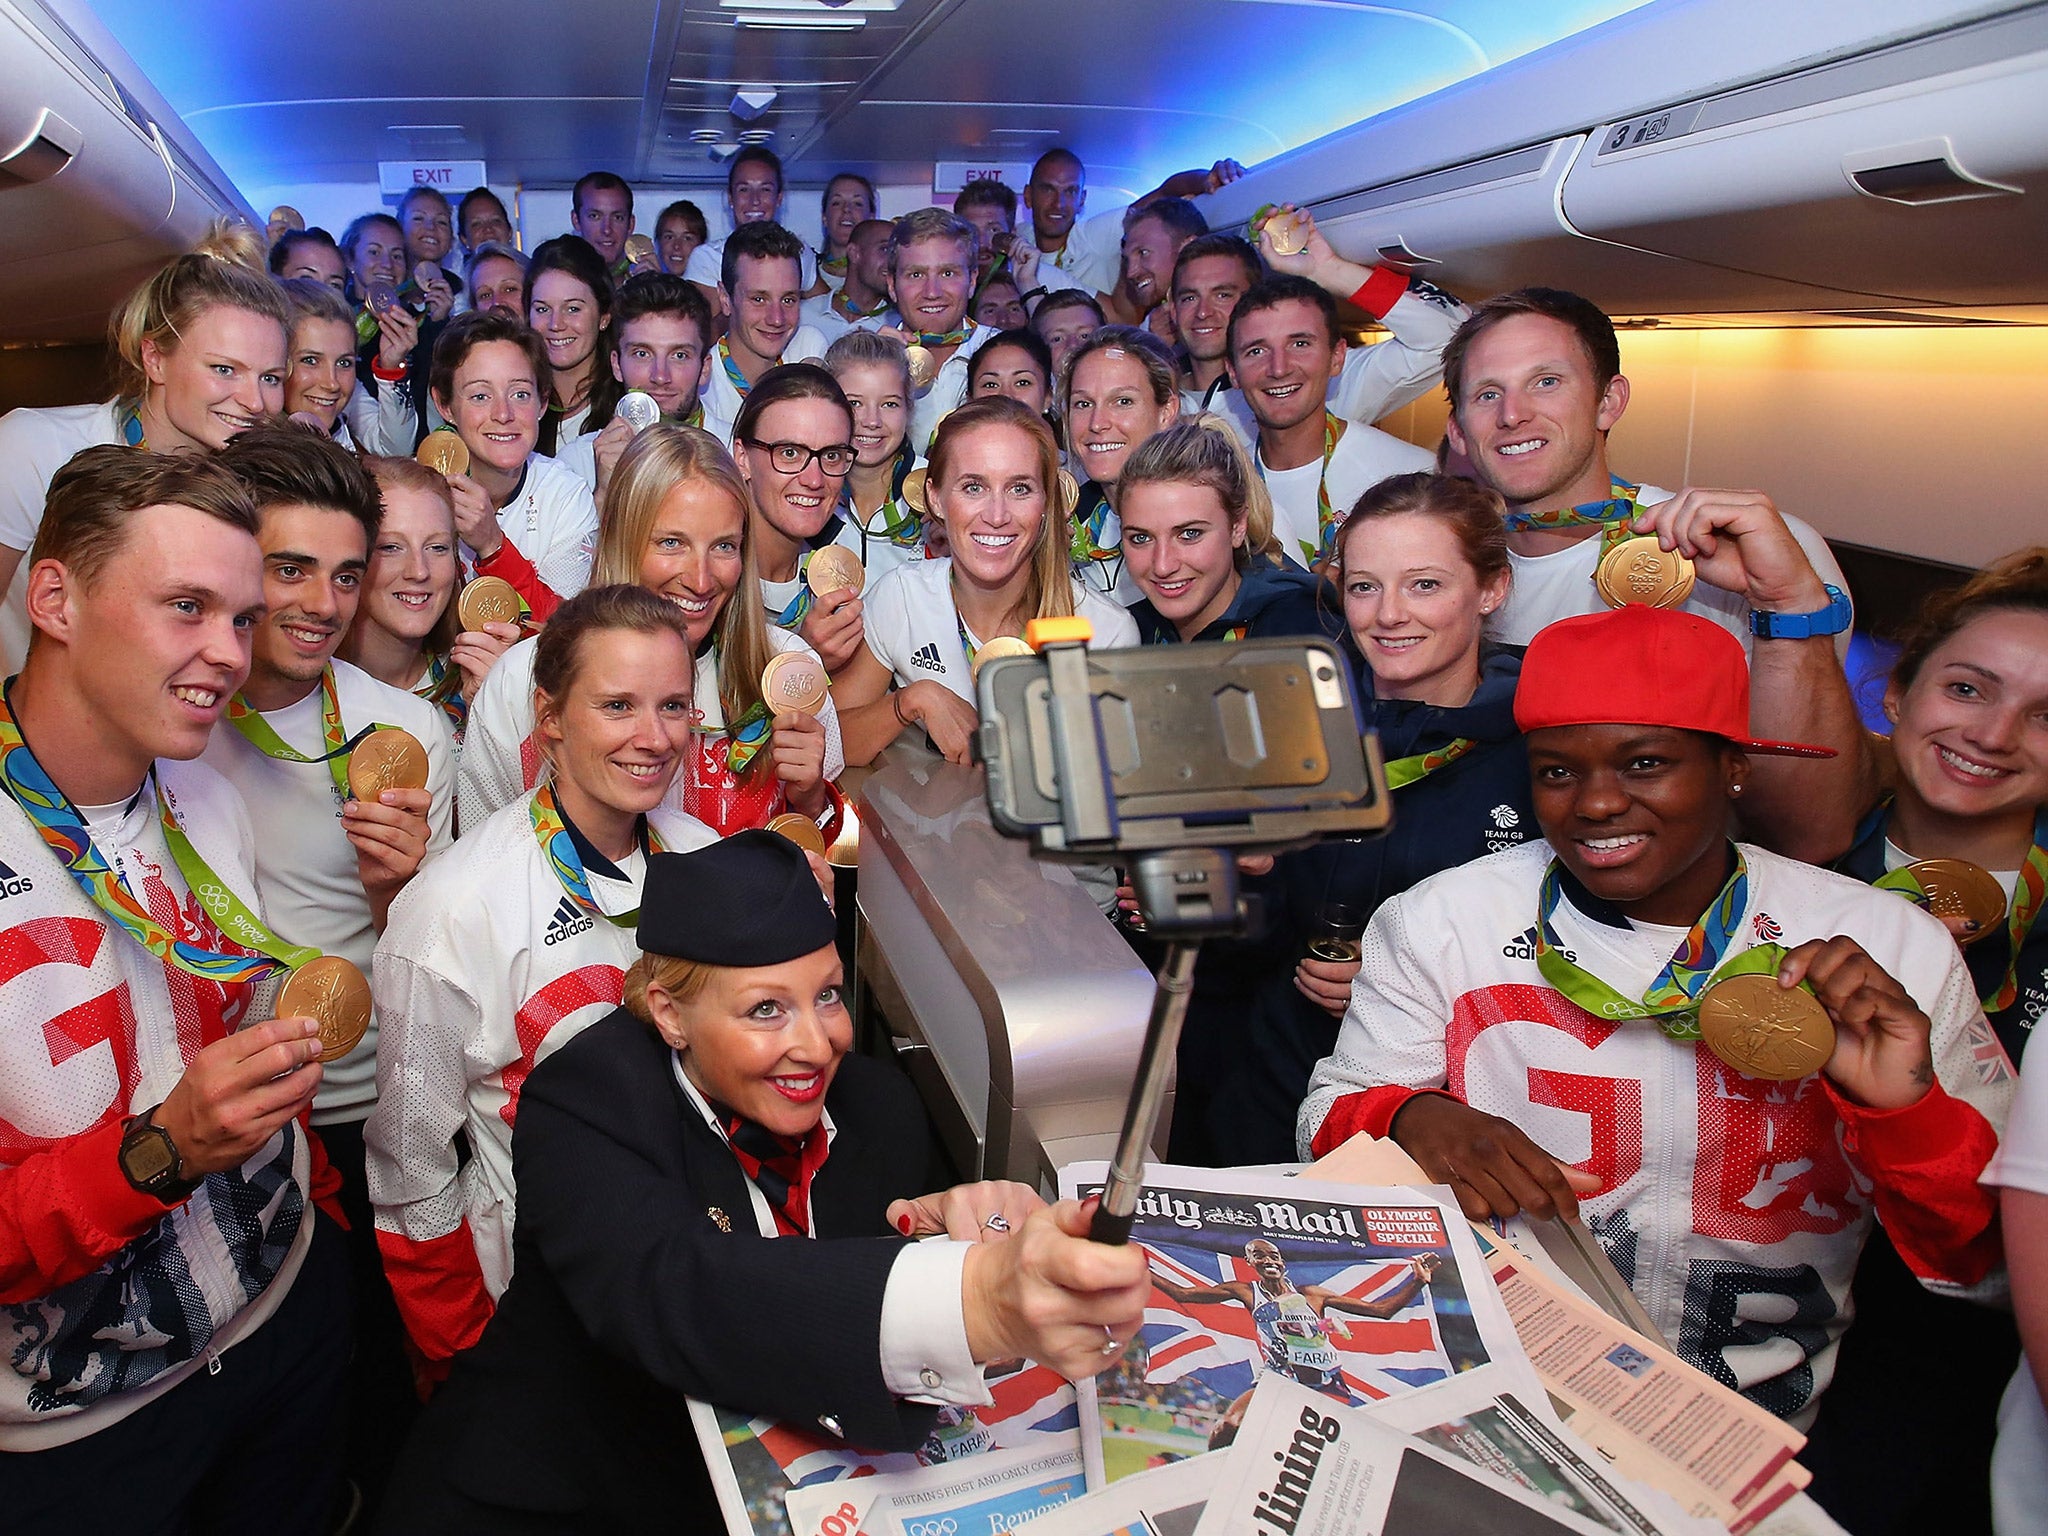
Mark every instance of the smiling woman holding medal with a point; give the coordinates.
(717, 1198)
(677, 525)
(507, 948)
(1699, 1026)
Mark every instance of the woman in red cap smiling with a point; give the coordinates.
(1687, 1035)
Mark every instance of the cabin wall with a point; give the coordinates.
(1931, 442)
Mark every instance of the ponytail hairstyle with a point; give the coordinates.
(1203, 450)
(2017, 583)
(226, 269)
(1049, 593)
(558, 653)
(654, 464)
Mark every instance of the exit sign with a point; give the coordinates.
(397, 177)
(950, 176)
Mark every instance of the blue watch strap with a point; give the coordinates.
(1831, 620)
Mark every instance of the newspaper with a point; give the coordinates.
(755, 1462)
(1303, 1465)
(1362, 1294)
(1165, 1501)
(984, 1495)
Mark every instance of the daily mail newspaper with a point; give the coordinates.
(1359, 1294)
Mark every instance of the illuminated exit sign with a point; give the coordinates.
(454, 177)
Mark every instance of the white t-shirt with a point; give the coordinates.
(707, 265)
(947, 389)
(501, 762)
(552, 520)
(1364, 456)
(914, 630)
(34, 445)
(1559, 585)
(722, 399)
(820, 316)
(305, 865)
(1093, 257)
(2019, 1467)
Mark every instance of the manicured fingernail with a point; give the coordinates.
(903, 1225)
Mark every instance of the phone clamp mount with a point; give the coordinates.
(1170, 760)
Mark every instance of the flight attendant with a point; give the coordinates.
(678, 525)
(506, 949)
(200, 355)
(1549, 975)
(569, 304)
(717, 1131)
(522, 516)
(1118, 389)
(994, 482)
(1422, 564)
(406, 632)
(874, 373)
(1968, 701)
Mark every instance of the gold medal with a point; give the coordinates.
(386, 759)
(923, 367)
(332, 991)
(794, 680)
(1764, 1030)
(1958, 888)
(1287, 234)
(997, 649)
(639, 249)
(1639, 570)
(914, 489)
(489, 600)
(800, 830)
(835, 568)
(444, 453)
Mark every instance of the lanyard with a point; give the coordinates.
(440, 687)
(552, 832)
(843, 306)
(1091, 517)
(65, 832)
(1613, 516)
(1326, 516)
(798, 608)
(748, 733)
(733, 376)
(1403, 771)
(1672, 999)
(2027, 899)
(128, 423)
(941, 338)
(966, 643)
(901, 524)
(257, 731)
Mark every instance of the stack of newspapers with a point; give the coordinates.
(1334, 1352)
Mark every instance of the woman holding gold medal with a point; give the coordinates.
(518, 939)
(994, 481)
(767, 741)
(1691, 1038)
(1964, 833)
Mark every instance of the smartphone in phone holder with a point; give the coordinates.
(1172, 760)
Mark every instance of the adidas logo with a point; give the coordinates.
(927, 656)
(1523, 946)
(567, 921)
(12, 884)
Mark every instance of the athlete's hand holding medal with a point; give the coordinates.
(794, 687)
(833, 627)
(385, 817)
(1737, 541)
(398, 332)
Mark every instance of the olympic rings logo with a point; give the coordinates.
(945, 1526)
(215, 900)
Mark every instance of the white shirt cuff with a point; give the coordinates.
(924, 1328)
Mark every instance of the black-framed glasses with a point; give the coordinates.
(795, 458)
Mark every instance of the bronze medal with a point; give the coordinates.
(489, 600)
(424, 273)
(332, 991)
(637, 409)
(835, 568)
(1958, 888)
(914, 489)
(996, 650)
(1764, 1030)
(382, 298)
(388, 758)
(794, 680)
(923, 367)
(800, 830)
(1639, 570)
(639, 249)
(444, 453)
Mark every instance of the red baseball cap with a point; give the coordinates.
(1637, 665)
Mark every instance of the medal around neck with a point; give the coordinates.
(444, 453)
(1958, 888)
(800, 830)
(923, 367)
(1639, 570)
(388, 759)
(331, 991)
(794, 680)
(637, 409)
(1764, 1030)
(996, 649)
(489, 600)
(835, 568)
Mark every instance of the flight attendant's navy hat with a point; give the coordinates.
(746, 900)
(1637, 665)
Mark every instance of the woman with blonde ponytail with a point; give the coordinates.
(198, 354)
